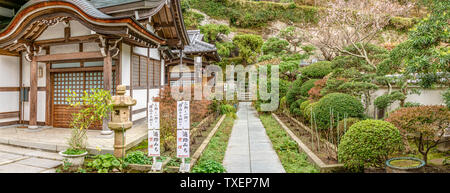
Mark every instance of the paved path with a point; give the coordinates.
(23, 160)
(249, 148)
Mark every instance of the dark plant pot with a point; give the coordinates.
(405, 169)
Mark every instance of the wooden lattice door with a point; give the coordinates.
(73, 81)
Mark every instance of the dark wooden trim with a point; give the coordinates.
(9, 89)
(48, 96)
(38, 123)
(131, 79)
(137, 111)
(33, 91)
(84, 69)
(69, 56)
(7, 115)
(20, 86)
(2, 124)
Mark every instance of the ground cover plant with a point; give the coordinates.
(287, 149)
(212, 157)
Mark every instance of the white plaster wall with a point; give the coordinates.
(26, 74)
(141, 98)
(140, 50)
(426, 97)
(9, 101)
(90, 47)
(65, 49)
(40, 108)
(126, 58)
(9, 71)
(56, 31)
(154, 53)
(163, 72)
(78, 29)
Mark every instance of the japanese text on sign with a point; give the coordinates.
(183, 121)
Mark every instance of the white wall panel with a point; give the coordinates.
(53, 32)
(9, 71)
(78, 29)
(126, 58)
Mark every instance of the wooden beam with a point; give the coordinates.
(8, 115)
(69, 56)
(8, 53)
(33, 92)
(68, 40)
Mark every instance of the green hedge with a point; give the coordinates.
(308, 85)
(317, 70)
(295, 107)
(339, 103)
(369, 143)
(294, 93)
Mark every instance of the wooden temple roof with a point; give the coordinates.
(37, 15)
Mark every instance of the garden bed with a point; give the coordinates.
(322, 157)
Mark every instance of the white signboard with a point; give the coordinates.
(153, 115)
(183, 121)
(183, 143)
(154, 143)
(154, 146)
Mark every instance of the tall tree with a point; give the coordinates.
(355, 23)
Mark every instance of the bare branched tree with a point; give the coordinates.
(354, 23)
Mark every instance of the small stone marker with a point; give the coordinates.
(185, 167)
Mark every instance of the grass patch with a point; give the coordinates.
(291, 158)
(215, 151)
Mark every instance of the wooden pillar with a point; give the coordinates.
(33, 93)
(107, 81)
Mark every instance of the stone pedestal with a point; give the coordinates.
(120, 122)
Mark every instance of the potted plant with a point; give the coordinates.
(94, 107)
(405, 165)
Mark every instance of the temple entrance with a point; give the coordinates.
(78, 82)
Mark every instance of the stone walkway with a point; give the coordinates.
(249, 148)
(24, 160)
(55, 139)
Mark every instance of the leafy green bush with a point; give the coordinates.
(317, 70)
(340, 104)
(307, 111)
(274, 45)
(369, 143)
(192, 19)
(308, 85)
(284, 87)
(295, 107)
(227, 109)
(294, 93)
(138, 157)
(212, 31)
(386, 100)
(303, 106)
(412, 104)
(106, 163)
(447, 98)
(209, 166)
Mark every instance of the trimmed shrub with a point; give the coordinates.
(283, 104)
(227, 109)
(345, 124)
(294, 93)
(308, 85)
(369, 143)
(339, 103)
(295, 107)
(284, 87)
(307, 111)
(317, 70)
(446, 96)
(303, 106)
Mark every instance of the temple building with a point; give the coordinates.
(52, 46)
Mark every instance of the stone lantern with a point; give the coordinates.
(120, 119)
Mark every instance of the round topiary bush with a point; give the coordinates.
(303, 106)
(307, 111)
(294, 93)
(369, 143)
(295, 107)
(317, 70)
(341, 104)
(308, 85)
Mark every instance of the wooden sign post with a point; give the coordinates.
(154, 145)
(183, 137)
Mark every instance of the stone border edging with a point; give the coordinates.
(205, 142)
(311, 156)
